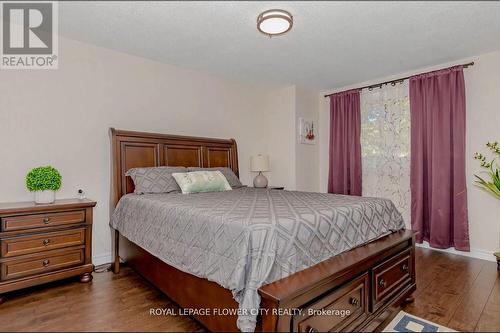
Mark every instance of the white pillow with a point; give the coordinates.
(201, 181)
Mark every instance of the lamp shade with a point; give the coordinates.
(259, 163)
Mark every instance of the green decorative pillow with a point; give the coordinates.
(201, 181)
(232, 179)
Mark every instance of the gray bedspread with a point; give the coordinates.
(247, 237)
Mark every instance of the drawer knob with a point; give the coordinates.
(381, 283)
(46, 242)
(45, 263)
(46, 220)
(312, 330)
(405, 268)
(354, 301)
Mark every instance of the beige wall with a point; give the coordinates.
(293, 165)
(61, 117)
(280, 122)
(483, 119)
(306, 156)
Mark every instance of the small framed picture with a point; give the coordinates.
(307, 131)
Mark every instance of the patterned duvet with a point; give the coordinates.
(247, 237)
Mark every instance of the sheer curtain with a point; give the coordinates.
(385, 145)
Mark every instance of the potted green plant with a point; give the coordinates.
(492, 183)
(44, 181)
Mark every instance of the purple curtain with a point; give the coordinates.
(344, 176)
(438, 186)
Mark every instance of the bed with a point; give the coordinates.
(314, 262)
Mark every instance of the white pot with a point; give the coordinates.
(45, 197)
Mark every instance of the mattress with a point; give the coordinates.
(248, 237)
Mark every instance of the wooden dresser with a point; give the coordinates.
(43, 243)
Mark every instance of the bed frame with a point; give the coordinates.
(370, 282)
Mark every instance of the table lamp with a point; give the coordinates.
(259, 164)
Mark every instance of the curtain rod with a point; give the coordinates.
(393, 82)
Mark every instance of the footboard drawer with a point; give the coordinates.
(391, 276)
(335, 310)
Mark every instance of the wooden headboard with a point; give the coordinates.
(138, 149)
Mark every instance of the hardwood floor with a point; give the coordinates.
(455, 291)
(110, 302)
(458, 292)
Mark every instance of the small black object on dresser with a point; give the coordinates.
(276, 187)
(44, 243)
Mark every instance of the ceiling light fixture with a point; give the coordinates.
(274, 22)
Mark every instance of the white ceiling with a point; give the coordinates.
(332, 44)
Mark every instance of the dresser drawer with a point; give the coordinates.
(336, 310)
(42, 220)
(42, 242)
(40, 264)
(391, 276)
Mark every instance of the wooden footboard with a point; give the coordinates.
(359, 290)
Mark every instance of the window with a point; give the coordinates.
(385, 145)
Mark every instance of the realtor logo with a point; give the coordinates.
(29, 35)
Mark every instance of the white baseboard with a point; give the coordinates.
(474, 253)
(101, 259)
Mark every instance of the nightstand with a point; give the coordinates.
(44, 243)
(276, 187)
